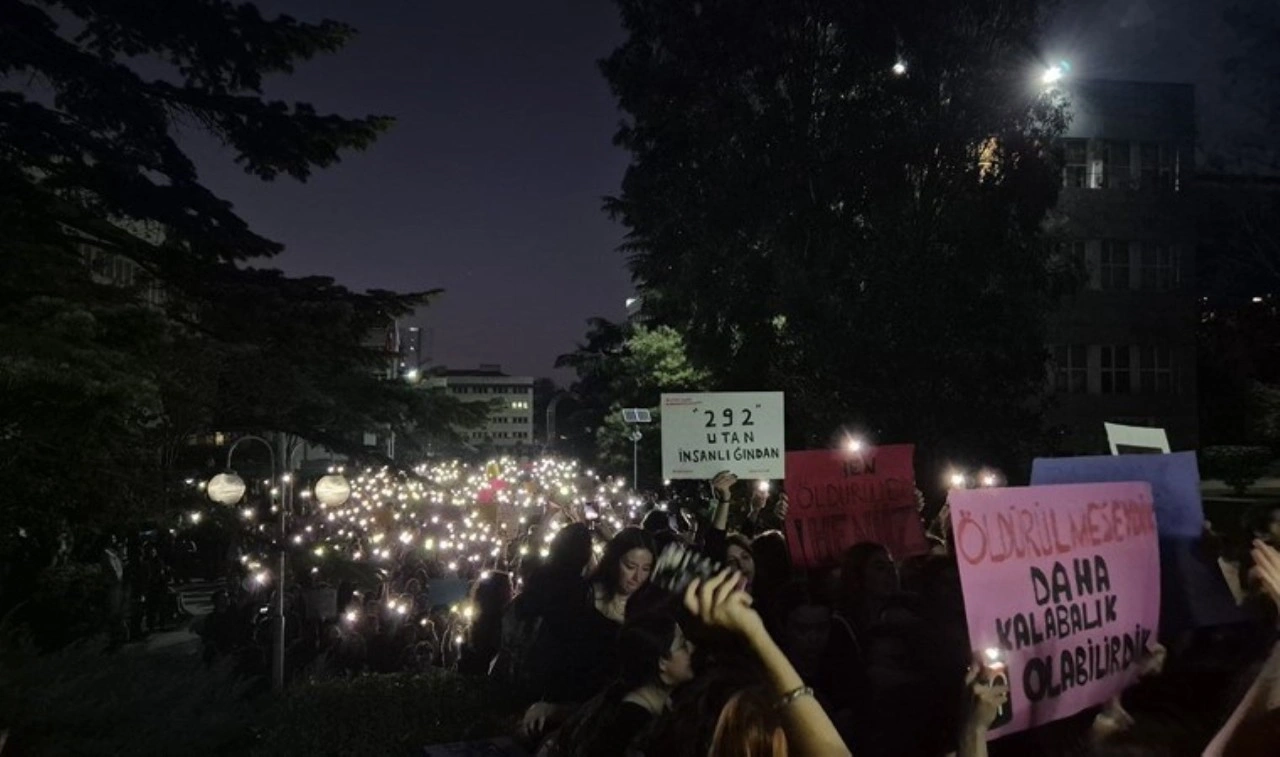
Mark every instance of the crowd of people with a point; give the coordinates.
(142, 577)
(754, 657)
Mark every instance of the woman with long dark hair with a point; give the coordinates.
(624, 568)
(577, 644)
(654, 657)
(489, 597)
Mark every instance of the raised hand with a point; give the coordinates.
(535, 718)
(720, 602)
(986, 695)
(782, 506)
(723, 484)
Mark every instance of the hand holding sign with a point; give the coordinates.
(988, 694)
(723, 485)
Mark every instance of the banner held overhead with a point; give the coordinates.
(707, 433)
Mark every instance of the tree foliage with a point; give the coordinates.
(129, 320)
(624, 366)
(809, 220)
(1238, 275)
(1253, 77)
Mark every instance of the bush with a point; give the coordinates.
(1237, 466)
(385, 715)
(81, 701)
(69, 603)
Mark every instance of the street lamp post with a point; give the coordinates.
(232, 496)
(635, 417)
(636, 436)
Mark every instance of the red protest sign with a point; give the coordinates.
(840, 498)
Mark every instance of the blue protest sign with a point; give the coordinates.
(1193, 592)
(1174, 479)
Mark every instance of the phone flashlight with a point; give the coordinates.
(993, 656)
(763, 486)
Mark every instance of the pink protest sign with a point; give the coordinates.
(1065, 582)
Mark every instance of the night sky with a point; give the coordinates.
(490, 184)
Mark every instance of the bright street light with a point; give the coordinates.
(1055, 73)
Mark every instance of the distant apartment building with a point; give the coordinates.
(1124, 348)
(510, 421)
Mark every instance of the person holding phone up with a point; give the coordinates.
(719, 603)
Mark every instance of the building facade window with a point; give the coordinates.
(1115, 373)
(1116, 165)
(1070, 369)
(1074, 252)
(1075, 164)
(1155, 370)
(1157, 267)
(1113, 264)
(1157, 166)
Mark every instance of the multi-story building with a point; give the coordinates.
(1124, 348)
(510, 422)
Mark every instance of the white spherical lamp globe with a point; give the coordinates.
(226, 488)
(333, 490)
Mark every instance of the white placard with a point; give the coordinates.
(1136, 439)
(740, 432)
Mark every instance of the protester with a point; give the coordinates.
(579, 639)
(117, 600)
(654, 657)
(765, 658)
(489, 597)
(535, 627)
(739, 556)
(719, 604)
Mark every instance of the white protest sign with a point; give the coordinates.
(740, 432)
(1130, 440)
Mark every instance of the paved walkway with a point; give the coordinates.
(197, 597)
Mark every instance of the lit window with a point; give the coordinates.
(1155, 370)
(1070, 369)
(1075, 168)
(1113, 265)
(1157, 269)
(988, 158)
(1116, 377)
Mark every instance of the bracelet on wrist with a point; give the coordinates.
(793, 695)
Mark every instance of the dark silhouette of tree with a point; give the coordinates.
(129, 320)
(811, 219)
(1253, 92)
